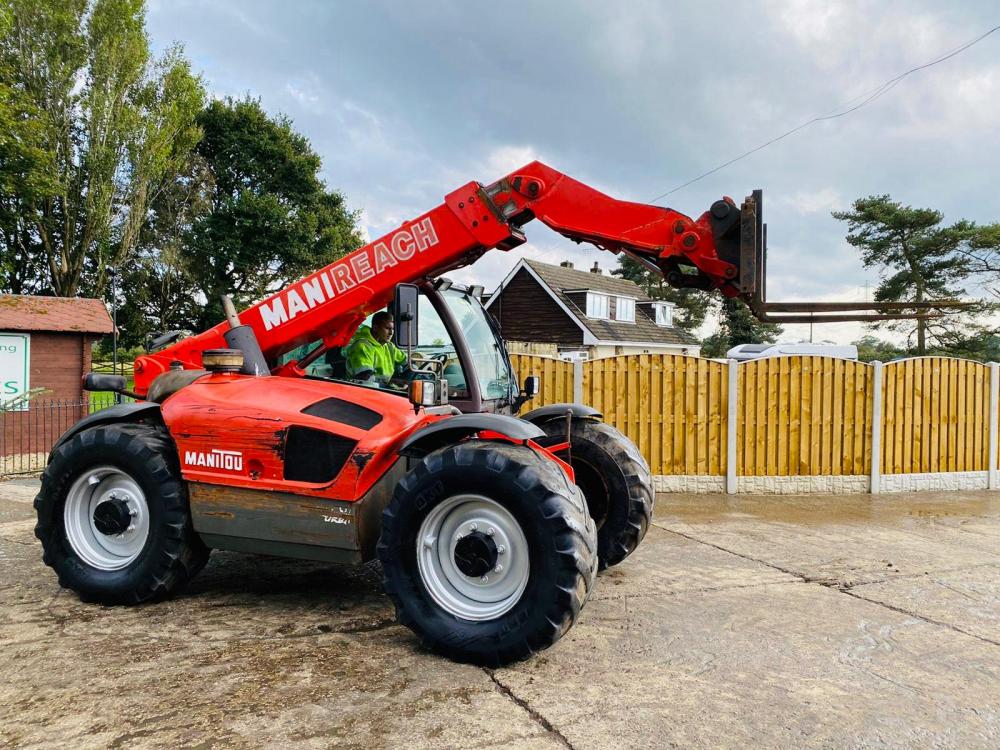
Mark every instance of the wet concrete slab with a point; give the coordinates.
(967, 600)
(770, 622)
(846, 540)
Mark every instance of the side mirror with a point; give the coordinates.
(94, 381)
(404, 310)
(532, 384)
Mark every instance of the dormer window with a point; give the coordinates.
(625, 310)
(664, 314)
(598, 306)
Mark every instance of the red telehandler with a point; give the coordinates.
(489, 527)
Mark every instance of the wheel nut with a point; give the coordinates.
(501, 549)
(498, 568)
(131, 527)
(473, 526)
(490, 531)
(484, 579)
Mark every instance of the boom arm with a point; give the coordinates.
(331, 303)
(710, 252)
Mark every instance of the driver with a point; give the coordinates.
(371, 354)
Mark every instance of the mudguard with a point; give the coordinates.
(119, 413)
(448, 431)
(558, 411)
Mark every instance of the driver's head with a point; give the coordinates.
(382, 327)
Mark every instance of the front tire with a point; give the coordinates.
(616, 481)
(488, 552)
(113, 516)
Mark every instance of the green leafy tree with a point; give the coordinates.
(270, 217)
(693, 305)
(737, 325)
(919, 260)
(158, 288)
(115, 127)
(871, 348)
(249, 215)
(27, 174)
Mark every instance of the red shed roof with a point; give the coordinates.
(19, 312)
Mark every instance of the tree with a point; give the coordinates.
(918, 258)
(271, 218)
(27, 174)
(737, 325)
(248, 216)
(158, 288)
(871, 348)
(114, 125)
(692, 304)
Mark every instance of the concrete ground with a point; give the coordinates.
(751, 622)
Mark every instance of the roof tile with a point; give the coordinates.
(559, 278)
(19, 312)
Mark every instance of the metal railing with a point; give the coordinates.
(29, 429)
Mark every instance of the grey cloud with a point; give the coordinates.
(405, 102)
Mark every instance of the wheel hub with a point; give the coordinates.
(476, 554)
(473, 557)
(106, 518)
(112, 517)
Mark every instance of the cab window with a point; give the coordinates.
(437, 350)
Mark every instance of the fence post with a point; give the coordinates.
(875, 480)
(994, 403)
(577, 381)
(731, 428)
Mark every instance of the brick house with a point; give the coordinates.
(584, 314)
(45, 344)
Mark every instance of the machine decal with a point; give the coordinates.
(346, 274)
(336, 519)
(215, 459)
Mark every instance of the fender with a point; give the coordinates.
(558, 411)
(120, 413)
(448, 431)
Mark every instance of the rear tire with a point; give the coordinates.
(113, 516)
(509, 507)
(616, 481)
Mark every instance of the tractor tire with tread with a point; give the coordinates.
(560, 542)
(172, 552)
(616, 481)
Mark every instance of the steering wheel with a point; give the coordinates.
(435, 362)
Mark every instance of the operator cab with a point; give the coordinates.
(456, 340)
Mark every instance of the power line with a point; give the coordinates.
(839, 111)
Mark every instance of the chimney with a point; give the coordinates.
(596, 269)
(567, 264)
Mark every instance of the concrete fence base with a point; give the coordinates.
(826, 485)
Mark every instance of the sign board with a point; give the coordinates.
(14, 368)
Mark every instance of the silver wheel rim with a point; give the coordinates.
(468, 597)
(97, 549)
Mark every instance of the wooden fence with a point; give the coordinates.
(792, 416)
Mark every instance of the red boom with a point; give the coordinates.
(331, 303)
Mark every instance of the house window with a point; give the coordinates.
(625, 310)
(664, 315)
(598, 305)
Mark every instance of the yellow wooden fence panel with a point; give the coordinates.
(672, 407)
(556, 375)
(796, 416)
(936, 416)
(803, 416)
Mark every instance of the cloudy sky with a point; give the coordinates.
(405, 102)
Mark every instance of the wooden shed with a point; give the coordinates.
(45, 345)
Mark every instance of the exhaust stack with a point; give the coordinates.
(242, 337)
